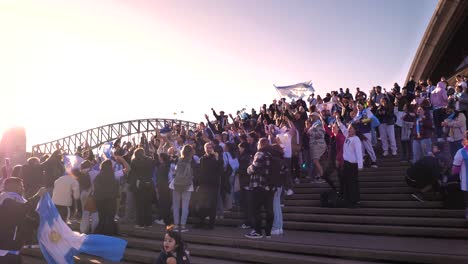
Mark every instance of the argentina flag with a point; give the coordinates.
(59, 244)
(71, 162)
(296, 91)
(105, 151)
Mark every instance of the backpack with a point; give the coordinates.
(277, 171)
(183, 176)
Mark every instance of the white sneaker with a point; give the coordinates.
(289, 192)
(277, 232)
(385, 154)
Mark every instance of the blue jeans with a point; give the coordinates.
(421, 148)
(176, 199)
(278, 214)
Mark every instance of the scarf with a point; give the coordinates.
(360, 115)
(11, 195)
(317, 123)
(418, 127)
(451, 116)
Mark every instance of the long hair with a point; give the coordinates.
(187, 152)
(107, 171)
(358, 133)
(139, 154)
(181, 246)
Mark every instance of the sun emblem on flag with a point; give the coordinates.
(54, 236)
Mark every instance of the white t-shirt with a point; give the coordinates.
(460, 162)
(65, 188)
(285, 139)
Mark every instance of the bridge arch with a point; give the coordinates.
(100, 135)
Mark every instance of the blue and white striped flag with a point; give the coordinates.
(72, 162)
(59, 244)
(105, 151)
(296, 91)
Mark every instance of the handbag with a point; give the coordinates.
(90, 204)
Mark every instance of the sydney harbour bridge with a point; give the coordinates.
(95, 137)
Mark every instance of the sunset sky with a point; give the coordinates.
(66, 66)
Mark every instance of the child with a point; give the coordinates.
(174, 251)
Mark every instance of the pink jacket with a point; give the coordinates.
(339, 139)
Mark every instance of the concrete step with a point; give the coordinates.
(373, 204)
(414, 231)
(440, 213)
(361, 184)
(369, 190)
(364, 197)
(205, 247)
(367, 220)
(33, 260)
(310, 246)
(364, 178)
(132, 256)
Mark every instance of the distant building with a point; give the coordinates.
(13, 146)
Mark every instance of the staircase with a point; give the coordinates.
(389, 227)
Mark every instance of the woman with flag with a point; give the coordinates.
(363, 121)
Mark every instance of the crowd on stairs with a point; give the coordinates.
(249, 162)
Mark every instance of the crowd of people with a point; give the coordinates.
(249, 161)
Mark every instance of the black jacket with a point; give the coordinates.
(211, 171)
(244, 163)
(17, 223)
(141, 170)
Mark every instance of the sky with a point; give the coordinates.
(67, 66)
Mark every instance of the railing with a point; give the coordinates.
(95, 137)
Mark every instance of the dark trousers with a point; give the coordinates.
(295, 167)
(246, 203)
(207, 212)
(406, 150)
(262, 198)
(331, 167)
(143, 199)
(207, 204)
(350, 187)
(439, 116)
(11, 259)
(106, 210)
(63, 212)
(165, 202)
